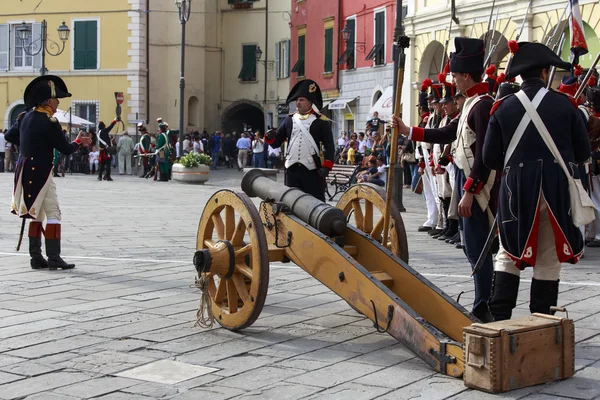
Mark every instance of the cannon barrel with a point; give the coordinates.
(329, 220)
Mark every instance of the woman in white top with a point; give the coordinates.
(258, 149)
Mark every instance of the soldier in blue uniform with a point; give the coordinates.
(536, 228)
(475, 182)
(38, 133)
(305, 130)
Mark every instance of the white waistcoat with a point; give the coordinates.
(299, 149)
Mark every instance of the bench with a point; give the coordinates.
(341, 177)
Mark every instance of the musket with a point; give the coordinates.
(446, 44)
(553, 69)
(556, 27)
(586, 79)
(402, 43)
(487, 45)
(489, 25)
(495, 45)
(472, 28)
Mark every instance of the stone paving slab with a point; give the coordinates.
(64, 335)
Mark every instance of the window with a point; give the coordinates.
(87, 110)
(23, 49)
(299, 67)
(248, 72)
(328, 65)
(85, 37)
(377, 53)
(348, 55)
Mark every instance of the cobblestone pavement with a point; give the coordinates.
(81, 334)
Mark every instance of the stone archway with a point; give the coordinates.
(431, 61)
(12, 112)
(241, 113)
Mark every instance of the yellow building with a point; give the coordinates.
(104, 54)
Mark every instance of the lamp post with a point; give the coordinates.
(348, 36)
(184, 7)
(24, 34)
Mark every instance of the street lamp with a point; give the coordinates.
(24, 34)
(348, 36)
(184, 8)
(267, 63)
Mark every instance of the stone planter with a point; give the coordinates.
(197, 174)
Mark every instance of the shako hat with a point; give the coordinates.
(593, 96)
(43, 88)
(423, 101)
(449, 93)
(530, 56)
(469, 56)
(569, 85)
(309, 89)
(492, 79)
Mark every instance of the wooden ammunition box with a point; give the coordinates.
(507, 355)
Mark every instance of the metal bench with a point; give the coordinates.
(341, 177)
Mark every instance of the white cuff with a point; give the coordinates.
(410, 133)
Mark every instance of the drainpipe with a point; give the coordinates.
(266, 62)
(147, 63)
(337, 38)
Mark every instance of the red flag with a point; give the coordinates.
(578, 43)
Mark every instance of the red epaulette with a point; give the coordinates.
(495, 106)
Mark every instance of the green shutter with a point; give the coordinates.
(248, 72)
(328, 50)
(86, 44)
(380, 38)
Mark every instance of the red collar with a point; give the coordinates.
(596, 114)
(426, 114)
(454, 115)
(479, 88)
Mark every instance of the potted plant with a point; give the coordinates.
(192, 168)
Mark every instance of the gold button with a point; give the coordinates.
(32, 158)
(33, 168)
(28, 195)
(30, 182)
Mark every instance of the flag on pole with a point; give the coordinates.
(578, 43)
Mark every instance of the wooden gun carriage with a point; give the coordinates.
(236, 241)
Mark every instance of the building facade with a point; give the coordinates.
(104, 54)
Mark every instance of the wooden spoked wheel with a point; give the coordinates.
(362, 200)
(231, 231)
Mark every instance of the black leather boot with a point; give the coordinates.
(35, 246)
(452, 230)
(505, 290)
(482, 312)
(53, 236)
(544, 294)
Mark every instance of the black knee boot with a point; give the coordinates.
(505, 290)
(544, 294)
(445, 202)
(35, 246)
(53, 236)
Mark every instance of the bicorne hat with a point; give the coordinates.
(43, 88)
(530, 56)
(469, 56)
(309, 89)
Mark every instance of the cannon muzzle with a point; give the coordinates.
(329, 220)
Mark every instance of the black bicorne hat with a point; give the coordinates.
(43, 88)
(449, 93)
(309, 89)
(593, 96)
(530, 56)
(423, 101)
(469, 56)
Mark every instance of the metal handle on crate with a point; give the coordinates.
(559, 309)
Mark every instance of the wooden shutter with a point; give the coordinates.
(86, 45)
(286, 58)
(380, 37)
(91, 55)
(4, 46)
(277, 59)
(328, 67)
(301, 53)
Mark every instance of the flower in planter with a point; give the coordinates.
(192, 160)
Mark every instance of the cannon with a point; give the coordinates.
(236, 241)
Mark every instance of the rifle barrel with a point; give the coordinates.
(586, 79)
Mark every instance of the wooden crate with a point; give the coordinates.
(507, 355)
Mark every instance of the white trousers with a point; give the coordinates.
(595, 195)
(430, 201)
(547, 266)
(93, 163)
(50, 209)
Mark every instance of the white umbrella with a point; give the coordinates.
(65, 117)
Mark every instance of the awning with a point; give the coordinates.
(64, 118)
(384, 105)
(340, 104)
